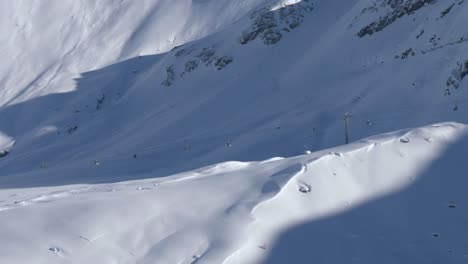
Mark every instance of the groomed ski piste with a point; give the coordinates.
(212, 131)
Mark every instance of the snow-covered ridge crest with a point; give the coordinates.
(233, 212)
(344, 179)
(285, 3)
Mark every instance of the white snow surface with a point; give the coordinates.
(108, 110)
(98, 80)
(376, 200)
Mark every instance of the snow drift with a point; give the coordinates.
(398, 197)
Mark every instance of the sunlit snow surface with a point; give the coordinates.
(397, 197)
(108, 110)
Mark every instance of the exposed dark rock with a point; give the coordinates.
(404, 140)
(268, 24)
(170, 76)
(420, 34)
(72, 129)
(446, 11)
(452, 82)
(464, 70)
(434, 40)
(191, 65)
(272, 37)
(407, 53)
(4, 153)
(447, 92)
(183, 52)
(223, 62)
(100, 102)
(305, 188)
(400, 9)
(207, 55)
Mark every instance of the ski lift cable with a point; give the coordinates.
(222, 136)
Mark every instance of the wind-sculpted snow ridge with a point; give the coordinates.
(308, 219)
(248, 212)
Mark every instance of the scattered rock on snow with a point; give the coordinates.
(428, 139)
(191, 65)
(399, 9)
(4, 153)
(305, 188)
(335, 154)
(170, 76)
(72, 129)
(464, 69)
(207, 55)
(182, 52)
(223, 62)
(404, 140)
(268, 24)
(100, 102)
(56, 250)
(452, 205)
(447, 10)
(407, 53)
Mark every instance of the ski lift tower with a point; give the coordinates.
(347, 116)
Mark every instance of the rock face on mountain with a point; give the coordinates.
(270, 25)
(399, 8)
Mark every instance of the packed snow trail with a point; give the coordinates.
(238, 212)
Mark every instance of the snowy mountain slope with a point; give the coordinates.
(265, 78)
(392, 198)
(47, 44)
(100, 100)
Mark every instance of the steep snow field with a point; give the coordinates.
(394, 198)
(108, 110)
(252, 79)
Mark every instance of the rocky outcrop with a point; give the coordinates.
(464, 69)
(4, 153)
(269, 25)
(170, 76)
(399, 8)
(193, 59)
